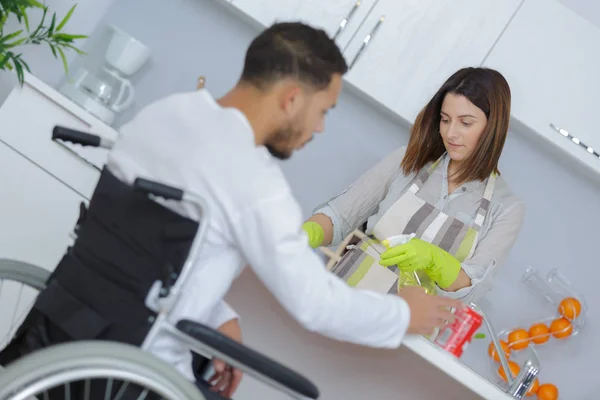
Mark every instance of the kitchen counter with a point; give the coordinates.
(418, 370)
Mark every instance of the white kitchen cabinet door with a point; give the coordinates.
(551, 58)
(38, 212)
(334, 16)
(415, 45)
(37, 216)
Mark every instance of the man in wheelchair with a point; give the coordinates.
(224, 150)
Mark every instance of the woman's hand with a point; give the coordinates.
(412, 256)
(418, 254)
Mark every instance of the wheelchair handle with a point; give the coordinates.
(157, 189)
(75, 136)
(79, 137)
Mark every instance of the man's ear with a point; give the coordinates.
(292, 100)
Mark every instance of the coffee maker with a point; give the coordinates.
(105, 90)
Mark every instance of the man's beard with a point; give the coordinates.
(280, 145)
(281, 155)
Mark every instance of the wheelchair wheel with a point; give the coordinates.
(74, 368)
(25, 273)
(20, 283)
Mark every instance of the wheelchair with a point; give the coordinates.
(77, 368)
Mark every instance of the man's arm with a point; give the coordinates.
(269, 236)
(221, 314)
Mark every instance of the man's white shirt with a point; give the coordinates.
(189, 141)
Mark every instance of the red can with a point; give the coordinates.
(454, 337)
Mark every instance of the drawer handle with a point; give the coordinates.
(345, 21)
(366, 41)
(575, 140)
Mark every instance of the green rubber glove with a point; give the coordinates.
(315, 233)
(417, 254)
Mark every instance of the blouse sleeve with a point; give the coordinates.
(353, 206)
(491, 252)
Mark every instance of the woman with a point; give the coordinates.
(444, 187)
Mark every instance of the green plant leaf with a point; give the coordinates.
(19, 69)
(25, 65)
(34, 3)
(75, 49)
(10, 36)
(66, 18)
(3, 17)
(52, 24)
(41, 24)
(65, 37)
(4, 60)
(25, 18)
(64, 60)
(15, 43)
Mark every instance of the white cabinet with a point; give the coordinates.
(400, 51)
(551, 59)
(37, 216)
(330, 15)
(418, 44)
(27, 118)
(38, 212)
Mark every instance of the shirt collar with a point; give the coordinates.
(468, 186)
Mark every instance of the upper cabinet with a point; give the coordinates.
(400, 51)
(551, 58)
(406, 49)
(339, 18)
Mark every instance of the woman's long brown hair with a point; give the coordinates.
(486, 89)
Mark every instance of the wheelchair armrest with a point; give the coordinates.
(252, 360)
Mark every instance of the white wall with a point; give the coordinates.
(198, 37)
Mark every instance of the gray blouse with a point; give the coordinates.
(377, 190)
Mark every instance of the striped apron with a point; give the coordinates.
(360, 267)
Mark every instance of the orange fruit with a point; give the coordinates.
(547, 391)
(518, 339)
(533, 389)
(561, 328)
(539, 333)
(514, 369)
(492, 350)
(570, 308)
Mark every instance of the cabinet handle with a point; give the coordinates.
(575, 140)
(366, 41)
(345, 21)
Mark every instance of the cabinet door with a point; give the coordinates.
(38, 212)
(551, 59)
(415, 45)
(37, 216)
(341, 17)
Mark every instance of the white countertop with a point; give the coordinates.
(418, 370)
(454, 368)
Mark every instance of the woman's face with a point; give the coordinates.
(461, 126)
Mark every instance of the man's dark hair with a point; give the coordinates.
(293, 50)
